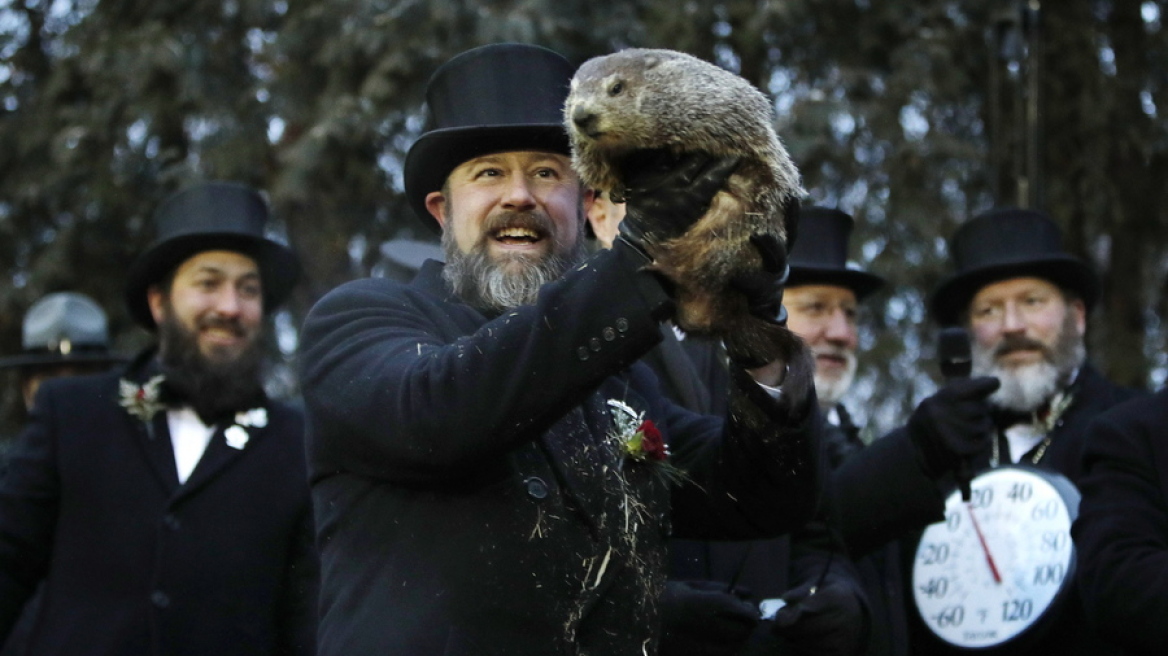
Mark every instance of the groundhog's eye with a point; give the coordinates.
(616, 88)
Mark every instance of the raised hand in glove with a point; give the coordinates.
(831, 621)
(763, 288)
(700, 618)
(953, 425)
(665, 194)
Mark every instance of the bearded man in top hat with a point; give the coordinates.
(1025, 302)
(165, 506)
(878, 492)
(488, 458)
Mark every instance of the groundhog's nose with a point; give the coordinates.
(585, 121)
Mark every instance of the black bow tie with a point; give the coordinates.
(1004, 419)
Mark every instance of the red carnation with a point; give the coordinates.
(651, 442)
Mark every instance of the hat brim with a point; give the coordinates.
(48, 359)
(861, 283)
(438, 152)
(951, 298)
(279, 269)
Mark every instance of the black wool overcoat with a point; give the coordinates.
(134, 563)
(470, 489)
(1122, 530)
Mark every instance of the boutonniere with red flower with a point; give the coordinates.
(646, 443)
(141, 401)
(639, 439)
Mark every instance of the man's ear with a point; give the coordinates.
(588, 198)
(1080, 309)
(156, 298)
(436, 204)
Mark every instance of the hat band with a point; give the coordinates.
(67, 347)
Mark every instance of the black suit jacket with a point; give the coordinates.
(134, 563)
(470, 494)
(1122, 530)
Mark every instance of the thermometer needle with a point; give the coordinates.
(984, 547)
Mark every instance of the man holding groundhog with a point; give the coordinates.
(493, 471)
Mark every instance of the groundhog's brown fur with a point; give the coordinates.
(639, 99)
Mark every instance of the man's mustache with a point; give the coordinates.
(833, 351)
(536, 221)
(1011, 343)
(222, 323)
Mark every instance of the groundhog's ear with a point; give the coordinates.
(652, 61)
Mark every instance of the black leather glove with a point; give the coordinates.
(831, 622)
(665, 194)
(953, 425)
(763, 288)
(700, 618)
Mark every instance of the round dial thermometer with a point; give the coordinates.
(1000, 561)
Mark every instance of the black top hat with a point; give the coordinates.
(211, 216)
(820, 255)
(60, 328)
(1008, 243)
(495, 98)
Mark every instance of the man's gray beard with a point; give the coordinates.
(1027, 388)
(831, 390)
(509, 282)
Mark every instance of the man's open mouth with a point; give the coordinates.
(516, 236)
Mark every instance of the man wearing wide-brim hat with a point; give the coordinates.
(488, 458)
(1025, 301)
(165, 507)
(63, 334)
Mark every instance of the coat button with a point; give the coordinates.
(622, 324)
(594, 344)
(609, 334)
(159, 599)
(536, 488)
(170, 521)
(582, 353)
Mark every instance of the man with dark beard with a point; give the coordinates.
(493, 470)
(1025, 302)
(165, 506)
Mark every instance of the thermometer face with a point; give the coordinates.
(999, 562)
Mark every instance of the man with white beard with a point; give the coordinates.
(822, 298)
(1025, 302)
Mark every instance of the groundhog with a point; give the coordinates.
(624, 104)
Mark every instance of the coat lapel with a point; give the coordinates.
(682, 374)
(577, 456)
(220, 454)
(586, 461)
(154, 440)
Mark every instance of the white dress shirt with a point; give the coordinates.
(189, 436)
